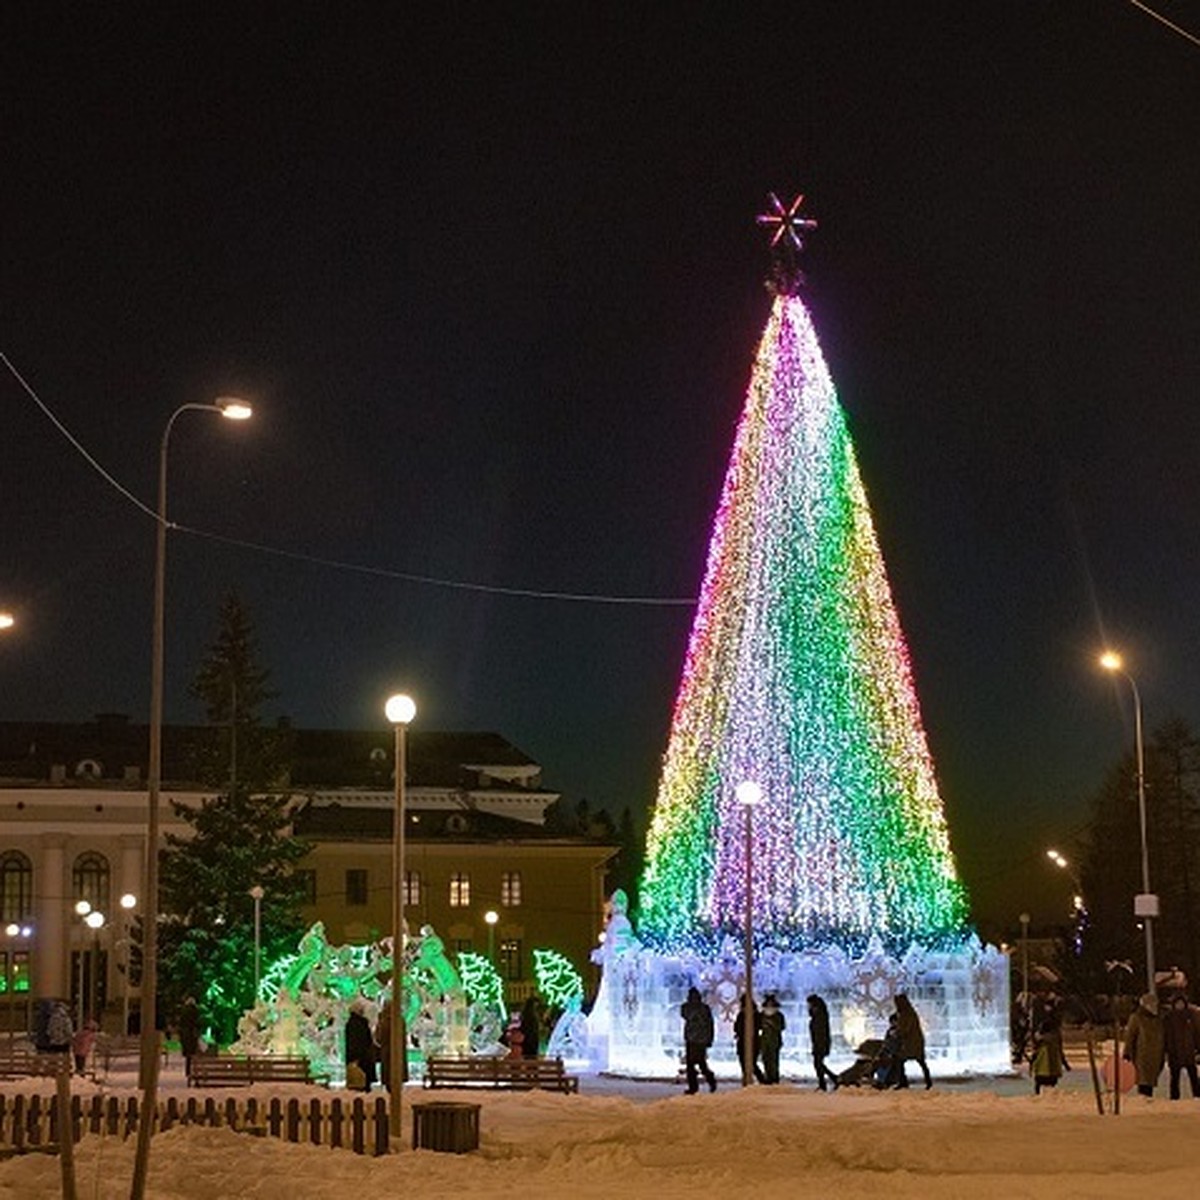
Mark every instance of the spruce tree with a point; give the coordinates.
(240, 839)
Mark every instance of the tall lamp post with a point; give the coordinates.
(256, 894)
(749, 795)
(400, 710)
(1024, 918)
(128, 903)
(234, 410)
(1145, 906)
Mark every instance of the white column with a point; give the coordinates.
(50, 909)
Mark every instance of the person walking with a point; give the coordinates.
(1049, 1062)
(83, 1043)
(772, 1024)
(360, 1047)
(59, 1030)
(821, 1041)
(739, 1037)
(697, 1037)
(531, 1027)
(912, 1039)
(1145, 1043)
(189, 1033)
(1181, 1043)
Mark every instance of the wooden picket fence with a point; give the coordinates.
(31, 1122)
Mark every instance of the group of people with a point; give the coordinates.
(367, 1050)
(55, 1033)
(905, 1041)
(1163, 1033)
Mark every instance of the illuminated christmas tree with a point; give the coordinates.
(797, 677)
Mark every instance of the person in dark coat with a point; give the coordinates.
(1182, 1042)
(772, 1023)
(189, 1033)
(739, 1031)
(1145, 1043)
(531, 1027)
(697, 1037)
(1049, 1062)
(821, 1040)
(912, 1038)
(360, 1046)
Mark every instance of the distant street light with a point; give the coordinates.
(399, 710)
(1078, 908)
(1145, 906)
(128, 903)
(749, 795)
(491, 917)
(234, 410)
(7, 620)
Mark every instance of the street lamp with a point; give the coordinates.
(256, 894)
(234, 410)
(1145, 906)
(491, 917)
(399, 710)
(128, 903)
(1078, 908)
(95, 922)
(1024, 918)
(749, 794)
(7, 620)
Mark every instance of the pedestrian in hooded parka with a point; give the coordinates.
(697, 1037)
(912, 1037)
(1049, 1062)
(772, 1023)
(1181, 1042)
(821, 1039)
(1145, 1043)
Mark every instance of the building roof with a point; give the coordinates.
(113, 749)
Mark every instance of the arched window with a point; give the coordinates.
(16, 887)
(91, 880)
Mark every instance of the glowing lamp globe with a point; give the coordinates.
(400, 709)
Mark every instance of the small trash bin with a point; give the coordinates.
(446, 1125)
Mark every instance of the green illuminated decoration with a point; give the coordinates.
(559, 983)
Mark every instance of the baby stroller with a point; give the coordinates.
(867, 1065)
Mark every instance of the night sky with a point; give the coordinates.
(491, 277)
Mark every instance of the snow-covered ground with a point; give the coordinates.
(988, 1139)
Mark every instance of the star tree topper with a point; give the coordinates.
(787, 240)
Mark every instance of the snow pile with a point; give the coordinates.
(763, 1142)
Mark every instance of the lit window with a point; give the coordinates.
(510, 889)
(412, 887)
(16, 887)
(91, 881)
(460, 890)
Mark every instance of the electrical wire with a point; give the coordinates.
(333, 563)
(1183, 33)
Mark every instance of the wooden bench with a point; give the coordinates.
(225, 1070)
(525, 1074)
(23, 1060)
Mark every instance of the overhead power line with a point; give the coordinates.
(333, 563)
